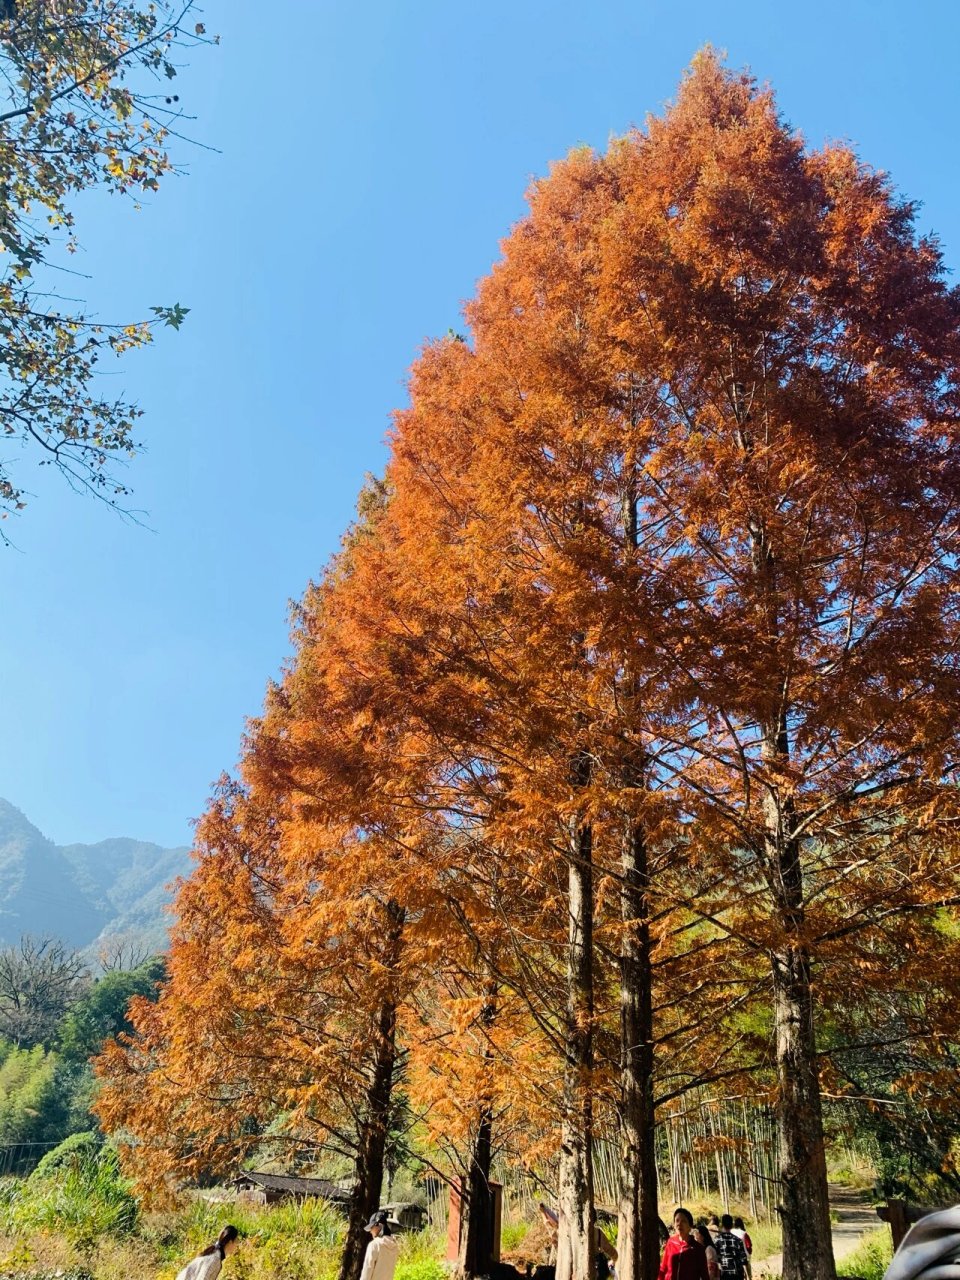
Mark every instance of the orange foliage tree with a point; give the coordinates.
(639, 669)
(278, 1018)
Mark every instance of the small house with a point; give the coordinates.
(407, 1215)
(272, 1188)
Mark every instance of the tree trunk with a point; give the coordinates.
(802, 1166)
(804, 1202)
(476, 1202)
(576, 1250)
(804, 1207)
(476, 1205)
(372, 1137)
(638, 1236)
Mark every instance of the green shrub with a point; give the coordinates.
(282, 1258)
(419, 1256)
(313, 1220)
(513, 1234)
(313, 1223)
(83, 1200)
(79, 1146)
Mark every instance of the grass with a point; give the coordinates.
(766, 1238)
(512, 1236)
(853, 1171)
(283, 1242)
(80, 1221)
(420, 1256)
(871, 1258)
(266, 1256)
(80, 1215)
(84, 1200)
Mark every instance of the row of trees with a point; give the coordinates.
(615, 762)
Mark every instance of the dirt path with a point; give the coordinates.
(856, 1219)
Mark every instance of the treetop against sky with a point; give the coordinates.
(363, 175)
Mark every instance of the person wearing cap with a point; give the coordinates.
(380, 1260)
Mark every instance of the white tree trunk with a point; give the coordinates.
(575, 1244)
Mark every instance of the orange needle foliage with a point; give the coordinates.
(278, 1016)
(638, 673)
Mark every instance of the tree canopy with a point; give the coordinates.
(87, 103)
(631, 698)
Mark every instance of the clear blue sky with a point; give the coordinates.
(370, 158)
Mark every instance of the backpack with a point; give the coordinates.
(731, 1255)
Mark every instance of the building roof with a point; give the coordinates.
(320, 1187)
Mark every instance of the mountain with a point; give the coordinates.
(83, 893)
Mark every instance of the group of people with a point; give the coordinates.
(379, 1261)
(716, 1250)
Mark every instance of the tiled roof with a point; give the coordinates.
(319, 1187)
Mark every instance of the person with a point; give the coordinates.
(733, 1257)
(713, 1224)
(380, 1259)
(702, 1233)
(740, 1231)
(206, 1265)
(684, 1258)
(605, 1252)
(551, 1221)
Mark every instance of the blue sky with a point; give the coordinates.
(369, 158)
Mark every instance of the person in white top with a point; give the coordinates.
(380, 1260)
(740, 1231)
(207, 1265)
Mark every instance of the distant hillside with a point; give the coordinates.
(83, 893)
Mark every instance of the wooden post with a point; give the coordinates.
(454, 1220)
(895, 1212)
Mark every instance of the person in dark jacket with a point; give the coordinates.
(733, 1258)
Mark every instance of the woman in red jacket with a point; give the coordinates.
(684, 1258)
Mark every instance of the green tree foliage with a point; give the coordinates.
(34, 1102)
(54, 1019)
(86, 103)
(102, 1012)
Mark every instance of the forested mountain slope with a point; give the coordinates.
(83, 893)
